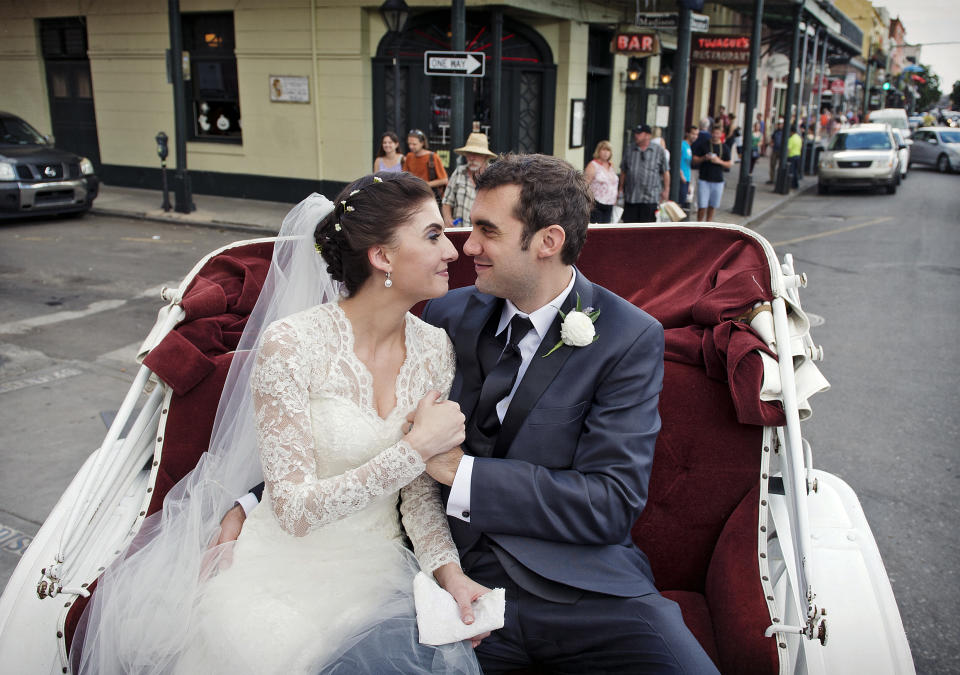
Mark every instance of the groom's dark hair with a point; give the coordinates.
(551, 192)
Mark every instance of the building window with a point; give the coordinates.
(213, 97)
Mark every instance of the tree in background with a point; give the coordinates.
(928, 88)
(955, 95)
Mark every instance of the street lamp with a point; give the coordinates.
(395, 13)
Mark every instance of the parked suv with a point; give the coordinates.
(861, 156)
(37, 178)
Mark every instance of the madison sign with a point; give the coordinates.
(635, 44)
(722, 50)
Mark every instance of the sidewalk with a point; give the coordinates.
(250, 215)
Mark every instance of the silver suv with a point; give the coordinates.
(862, 156)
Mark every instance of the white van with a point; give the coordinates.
(895, 117)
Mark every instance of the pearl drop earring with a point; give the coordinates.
(388, 282)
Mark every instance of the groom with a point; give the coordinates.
(559, 442)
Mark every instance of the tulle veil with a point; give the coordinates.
(139, 617)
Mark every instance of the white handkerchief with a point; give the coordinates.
(438, 616)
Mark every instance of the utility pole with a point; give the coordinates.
(182, 191)
(783, 176)
(743, 205)
(458, 25)
(678, 112)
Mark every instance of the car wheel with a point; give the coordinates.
(943, 164)
(892, 189)
(822, 189)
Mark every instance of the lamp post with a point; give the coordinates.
(394, 14)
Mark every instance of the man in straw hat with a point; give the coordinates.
(462, 188)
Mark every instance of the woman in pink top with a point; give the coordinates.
(388, 156)
(602, 179)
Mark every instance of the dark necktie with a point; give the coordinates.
(500, 380)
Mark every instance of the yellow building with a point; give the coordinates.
(286, 97)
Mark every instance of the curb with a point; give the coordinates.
(756, 221)
(213, 224)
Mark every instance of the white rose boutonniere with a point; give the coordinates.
(577, 329)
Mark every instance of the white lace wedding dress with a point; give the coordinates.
(320, 568)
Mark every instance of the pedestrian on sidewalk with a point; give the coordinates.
(713, 158)
(794, 149)
(425, 164)
(388, 156)
(603, 181)
(461, 189)
(776, 143)
(686, 156)
(644, 177)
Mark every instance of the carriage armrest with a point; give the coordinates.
(735, 595)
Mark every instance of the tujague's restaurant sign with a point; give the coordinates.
(722, 50)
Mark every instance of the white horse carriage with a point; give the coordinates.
(771, 560)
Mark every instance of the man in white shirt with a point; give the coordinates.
(560, 437)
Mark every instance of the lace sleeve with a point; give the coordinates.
(424, 517)
(301, 499)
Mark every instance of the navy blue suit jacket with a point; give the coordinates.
(576, 443)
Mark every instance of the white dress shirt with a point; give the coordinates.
(458, 504)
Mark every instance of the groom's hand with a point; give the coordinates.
(231, 525)
(443, 467)
(465, 591)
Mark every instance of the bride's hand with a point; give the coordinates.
(437, 426)
(465, 591)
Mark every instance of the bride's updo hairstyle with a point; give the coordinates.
(367, 213)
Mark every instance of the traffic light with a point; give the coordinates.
(886, 86)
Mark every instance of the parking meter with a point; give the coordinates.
(162, 152)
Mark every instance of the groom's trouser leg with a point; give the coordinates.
(596, 634)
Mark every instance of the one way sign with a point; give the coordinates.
(454, 64)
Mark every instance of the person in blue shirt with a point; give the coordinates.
(686, 154)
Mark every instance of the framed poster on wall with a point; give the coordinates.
(578, 114)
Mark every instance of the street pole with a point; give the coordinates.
(783, 178)
(823, 74)
(458, 25)
(743, 205)
(866, 88)
(497, 75)
(183, 193)
(678, 111)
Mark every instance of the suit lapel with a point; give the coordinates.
(466, 386)
(541, 371)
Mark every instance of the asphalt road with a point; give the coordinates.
(77, 297)
(884, 276)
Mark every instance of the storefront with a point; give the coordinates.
(281, 101)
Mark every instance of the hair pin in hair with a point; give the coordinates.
(376, 179)
(336, 226)
(319, 248)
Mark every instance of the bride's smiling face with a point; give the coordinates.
(421, 254)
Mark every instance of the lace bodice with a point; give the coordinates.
(327, 456)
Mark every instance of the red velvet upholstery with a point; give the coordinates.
(699, 525)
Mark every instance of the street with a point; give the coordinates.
(79, 295)
(883, 274)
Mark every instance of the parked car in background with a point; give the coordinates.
(895, 117)
(903, 152)
(861, 156)
(937, 146)
(37, 178)
(915, 121)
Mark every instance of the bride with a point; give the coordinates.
(320, 386)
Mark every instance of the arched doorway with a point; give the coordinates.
(527, 93)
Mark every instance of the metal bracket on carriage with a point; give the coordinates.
(49, 584)
(795, 280)
(816, 628)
